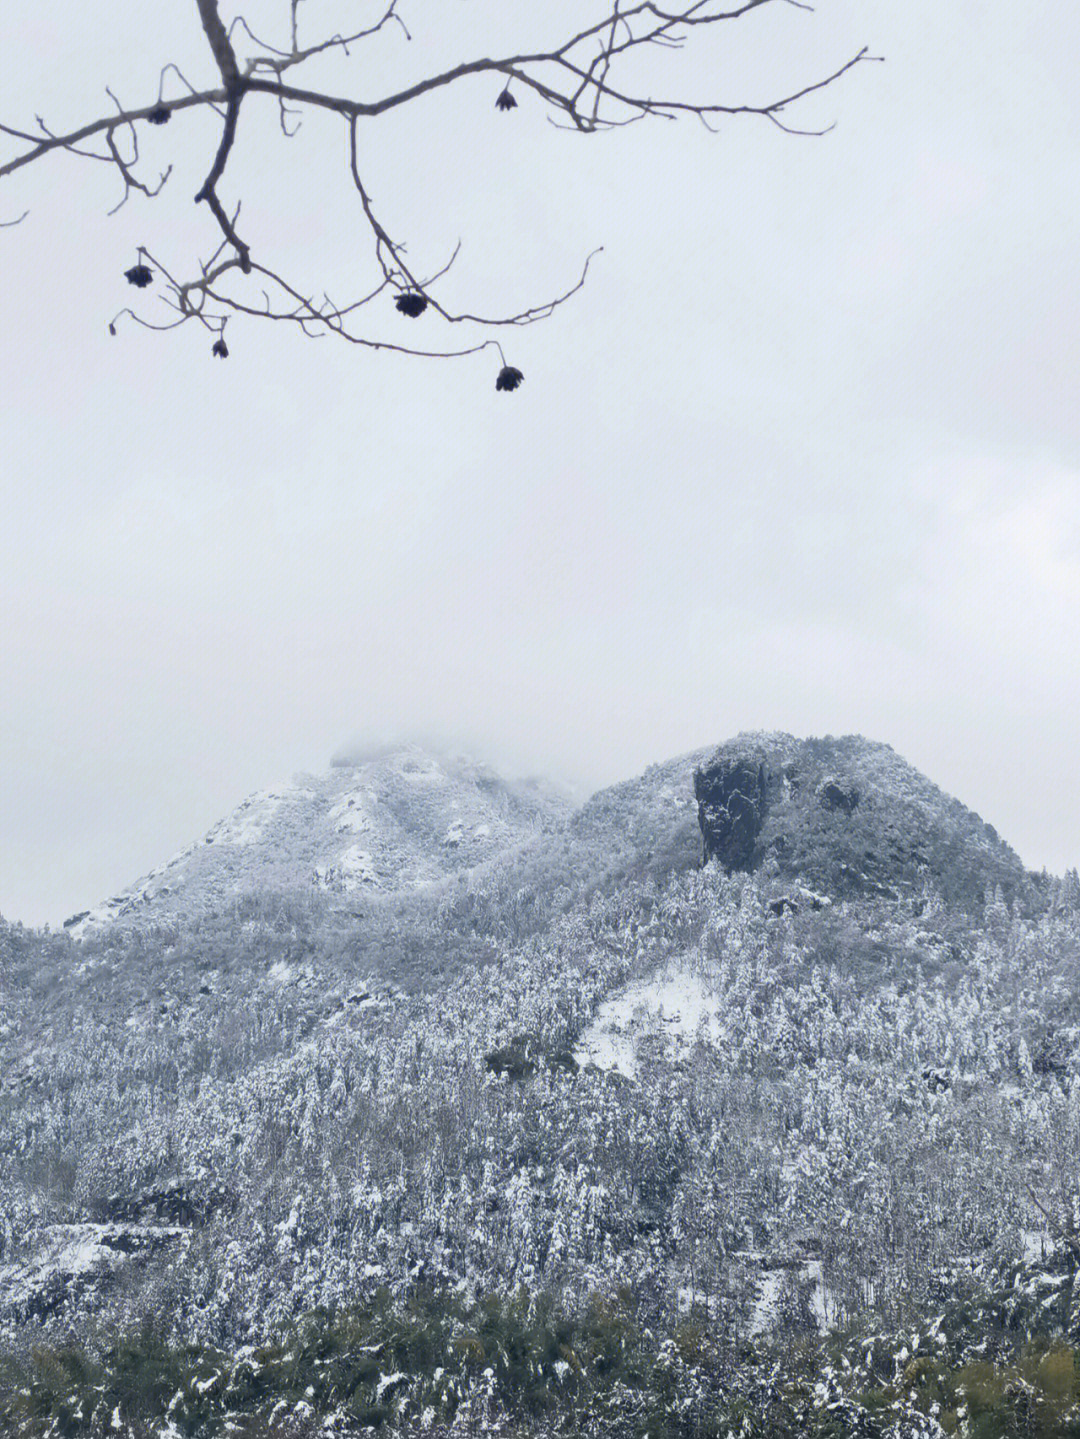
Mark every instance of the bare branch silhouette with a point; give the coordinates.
(575, 81)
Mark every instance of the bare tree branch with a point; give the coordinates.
(574, 80)
(219, 42)
(217, 169)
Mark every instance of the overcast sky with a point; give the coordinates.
(803, 454)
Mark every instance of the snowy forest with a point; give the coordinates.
(743, 1100)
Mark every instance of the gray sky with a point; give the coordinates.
(803, 454)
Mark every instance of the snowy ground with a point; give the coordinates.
(674, 1004)
(71, 1255)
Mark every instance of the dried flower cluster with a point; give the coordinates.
(411, 303)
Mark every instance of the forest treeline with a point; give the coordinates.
(433, 1362)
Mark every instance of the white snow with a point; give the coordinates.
(351, 811)
(385, 1381)
(1036, 1244)
(819, 1298)
(675, 1002)
(74, 1252)
(246, 824)
(763, 1315)
(356, 867)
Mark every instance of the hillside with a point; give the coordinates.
(848, 817)
(824, 1078)
(393, 820)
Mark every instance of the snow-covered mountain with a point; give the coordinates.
(845, 815)
(396, 820)
(779, 1022)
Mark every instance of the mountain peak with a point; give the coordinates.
(847, 815)
(844, 816)
(390, 818)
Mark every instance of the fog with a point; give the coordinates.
(801, 455)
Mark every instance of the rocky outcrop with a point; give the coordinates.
(846, 817)
(73, 1264)
(835, 796)
(732, 796)
(178, 1205)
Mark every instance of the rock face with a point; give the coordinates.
(733, 800)
(845, 816)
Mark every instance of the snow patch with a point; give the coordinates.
(351, 812)
(356, 867)
(675, 1003)
(767, 1305)
(247, 824)
(386, 1381)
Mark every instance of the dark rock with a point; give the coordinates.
(516, 1060)
(179, 1205)
(835, 796)
(563, 1059)
(524, 1055)
(732, 802)
(76, 918)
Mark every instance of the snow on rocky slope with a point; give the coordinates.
(675, 1006)
(395, 821)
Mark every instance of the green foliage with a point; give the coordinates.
(435, 1358)
(375, 1364)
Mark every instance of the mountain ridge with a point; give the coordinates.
(400, 818)
(809, 1081)
(403, 816)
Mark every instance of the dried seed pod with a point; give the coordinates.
(509, 378)
(411, 303)
(139, 275)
